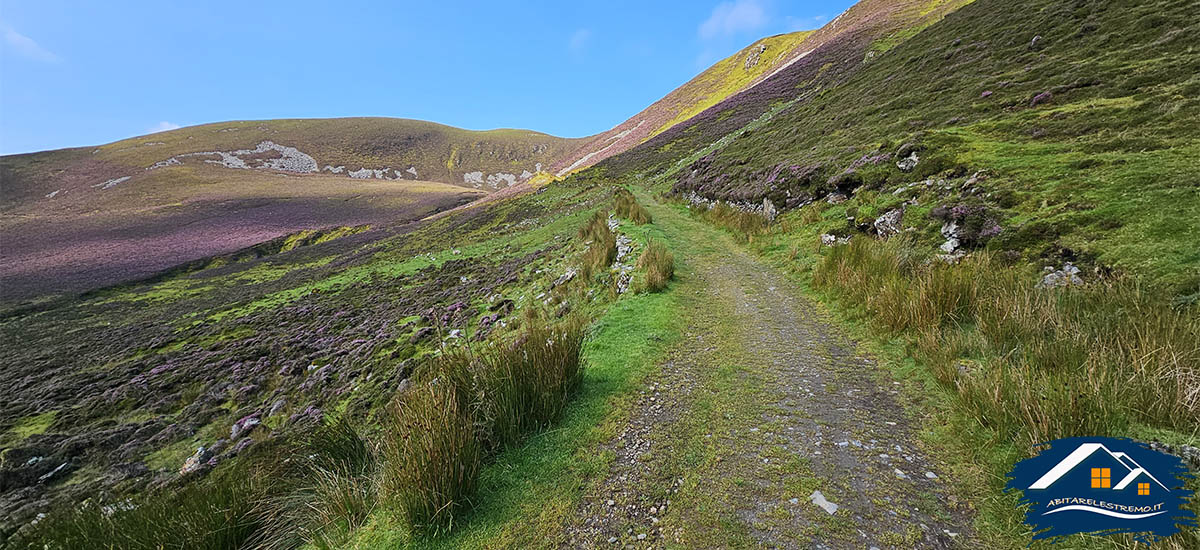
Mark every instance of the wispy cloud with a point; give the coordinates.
(733, 17)
(579, 40)
(162, 127)
(806, 23)
(26, 46)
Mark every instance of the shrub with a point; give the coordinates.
(744, 225)
(473, 403)
(659, 266)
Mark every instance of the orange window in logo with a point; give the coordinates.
(1143, 488)
(1102, 478)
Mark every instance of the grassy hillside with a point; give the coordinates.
(72, 217)
(123, 385)
(405, 149)
(727, 77)
(865, 29)
(1069, 129)
(469, 380)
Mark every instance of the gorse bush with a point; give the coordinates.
(658, 265)
(473, 403)
(625, 205)
(1050, 363)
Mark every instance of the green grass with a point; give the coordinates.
(528, 492)
(32, 425)
(993, 365)
(729, 76)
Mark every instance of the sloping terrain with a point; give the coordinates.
(864, 30)
(84, 218)
(915, 170)
(1065, 134)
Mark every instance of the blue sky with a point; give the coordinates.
(85, 73)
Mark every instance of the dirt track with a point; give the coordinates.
(764, 404)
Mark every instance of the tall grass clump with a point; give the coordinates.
(213, 514)
(601, 243)
(431, 456)
(1036, 364)
(744, 225)
(332, 492)
(625, 205)
(473, 403)
(658, 264)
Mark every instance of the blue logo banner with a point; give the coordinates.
(1104, 486)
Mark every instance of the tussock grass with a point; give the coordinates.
(216, 514)
(625, 205)
(745, 226)
(659, 266)
(330, 494)
(601, 243)
(474, 403)
(432, 456)
(1037, 364)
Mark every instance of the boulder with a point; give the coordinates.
(196, 462)
(890, 222)
(1067, 276)
(907, 164)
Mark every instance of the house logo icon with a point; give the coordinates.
(1103, 486)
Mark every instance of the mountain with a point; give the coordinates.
(865, 29)
(1065, 133)
(995, 204)
(83, 218)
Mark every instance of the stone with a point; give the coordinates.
(907, 164)
(769, 210)
(1054, 278)
(819, 499)
(244, 426)
(570, 274)
(53, 473)
(195, 462)
(950, 231)
(889, 223)
(930, 475)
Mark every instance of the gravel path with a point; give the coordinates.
(766, 429)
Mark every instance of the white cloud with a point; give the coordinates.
(162, 127)
(734, 17)
(806, 23)
(579, 39)
(26, 46)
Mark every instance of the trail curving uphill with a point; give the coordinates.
(767, 428)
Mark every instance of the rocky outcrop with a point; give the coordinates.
(1068, 275)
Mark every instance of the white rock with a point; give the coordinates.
(819, 499)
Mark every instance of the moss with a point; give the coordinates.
(36, 424)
